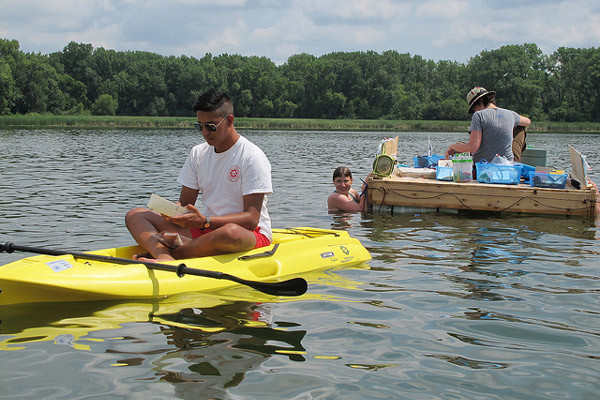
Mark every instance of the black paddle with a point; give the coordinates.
(292, 287)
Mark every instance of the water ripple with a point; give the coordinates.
(451, 306)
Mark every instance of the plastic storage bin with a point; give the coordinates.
(444, 174)
(545, 180)
(426, 161)
(462, 167)
(525, 170)
(498, 173)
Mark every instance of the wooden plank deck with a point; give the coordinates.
(522, 198)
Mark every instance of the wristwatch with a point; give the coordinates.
(206, 223)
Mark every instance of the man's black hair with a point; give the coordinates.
(213, 100)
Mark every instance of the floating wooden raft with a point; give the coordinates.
(445, 195)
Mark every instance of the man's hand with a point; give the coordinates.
(193, 218)
(450, 152)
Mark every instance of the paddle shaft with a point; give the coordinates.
(292, 287)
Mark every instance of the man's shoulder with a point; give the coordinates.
(199, 149)
(509, 114)
(506, 110)
(243, 140)
(200, 146)
(487, 114)
(249, 147)
(487, 111)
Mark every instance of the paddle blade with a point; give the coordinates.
(291, 287)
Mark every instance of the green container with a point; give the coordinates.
(533, 157)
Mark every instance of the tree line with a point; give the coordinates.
(563, 86)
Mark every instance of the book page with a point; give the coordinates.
(164, 206)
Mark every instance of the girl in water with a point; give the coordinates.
(344, 198)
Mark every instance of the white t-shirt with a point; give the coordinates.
(224, 178)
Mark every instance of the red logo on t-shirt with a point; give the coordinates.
(234, 173)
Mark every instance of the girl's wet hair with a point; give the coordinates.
(342, 172)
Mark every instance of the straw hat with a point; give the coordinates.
(476, 93)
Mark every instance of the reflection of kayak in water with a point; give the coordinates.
(189, 346)
(193, 338)
(74, 323)
(66, 278)
(69, 323)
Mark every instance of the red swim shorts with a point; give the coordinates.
(261, 240)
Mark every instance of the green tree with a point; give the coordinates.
(184, 78)
(516, 73)
(77, 61)
(147, 78)
(573, 85)
(301, 71)
(119, 87)
(8, 89)
(104, 105)
(75, 92)
(38, 83)
(10, 58)
(446, 100)
(564, 86)
(333, 104)
(157, 106)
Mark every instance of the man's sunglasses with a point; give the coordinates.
(210, 126)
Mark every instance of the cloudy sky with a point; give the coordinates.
(434, 29)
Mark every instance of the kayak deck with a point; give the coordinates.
(66, 278)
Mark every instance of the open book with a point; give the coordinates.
(164, 206)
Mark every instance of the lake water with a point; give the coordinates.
(451, 306)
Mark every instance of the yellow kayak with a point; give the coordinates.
(294, 251)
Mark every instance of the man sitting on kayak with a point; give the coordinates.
(233, 177)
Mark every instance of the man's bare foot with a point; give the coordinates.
(138, 256)
(160, 258)
(170, 239)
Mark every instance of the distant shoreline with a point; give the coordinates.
(88, 121)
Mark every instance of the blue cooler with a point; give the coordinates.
(546, 180)
(498, 173)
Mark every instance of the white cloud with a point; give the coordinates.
(443, 9)
(362, 9)
(229, 38)
(434, 29)
(569, 26)
(204, 3)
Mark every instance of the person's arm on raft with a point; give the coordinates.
(524, 121)
(471, 146)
